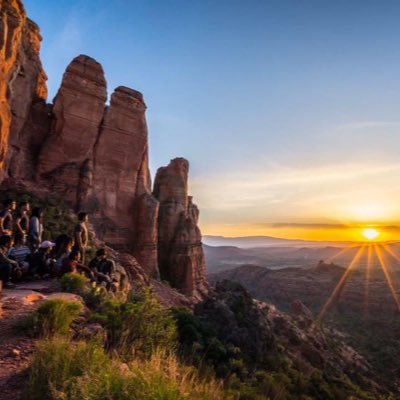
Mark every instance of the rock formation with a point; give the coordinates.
(180, 253)
(94, 156)
(22, 85)
(77, 114)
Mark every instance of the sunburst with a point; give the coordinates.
(375, 251)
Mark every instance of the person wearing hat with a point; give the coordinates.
(40, 262)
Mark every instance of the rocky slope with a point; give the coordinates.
(364, 309)
(289, 343)
(94, 156)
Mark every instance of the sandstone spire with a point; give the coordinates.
(180, 252)
(94, 156)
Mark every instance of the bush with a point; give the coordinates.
(57, 364)
(74, 283)
(62, 370)
(96, 296)
(53, 317)
(200, 344)
(137, 326)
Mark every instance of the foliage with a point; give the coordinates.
(381, 350)
(62, 370)
(276, 378)
(53, 317)
(74, 283)
(137, 326)
(96, 296)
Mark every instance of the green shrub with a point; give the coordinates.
(53, 317)
(137, 326)
(74, 283)
(77, 371)
(96, 296)
(57, 364)
(199, 344)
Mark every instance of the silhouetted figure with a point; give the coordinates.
(6, 217)
(35, 228)
(81, 235)
(20, 252)
(22, 219)
(71, 264)
(62, 250)
(7, 265)
(41, 263)
(104, 269)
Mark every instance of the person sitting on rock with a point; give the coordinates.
(104, 269)
(35, 228)
(41, 263)
(81, 234)
(72, 264)
(22, 220)
(20, 252)
(62, 250)
(8, 267)
(6, 217)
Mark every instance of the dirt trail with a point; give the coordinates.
(15, 347)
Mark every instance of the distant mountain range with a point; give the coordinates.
(246, 242)
(221, 254)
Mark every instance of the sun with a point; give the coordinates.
(370, 233)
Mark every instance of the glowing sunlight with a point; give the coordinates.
(370, 233)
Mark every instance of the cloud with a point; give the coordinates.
(302, 225)
(325, 226)
(321, 184)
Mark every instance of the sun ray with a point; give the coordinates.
(387, 275)
(338, 288)
(341, 252)
(367, 279)
(391, 252)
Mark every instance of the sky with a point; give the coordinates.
(287, 110)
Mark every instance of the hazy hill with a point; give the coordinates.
(265, 241)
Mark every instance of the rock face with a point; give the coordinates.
(180, 253)
(22, 85)
(94, 156)
(77, 113)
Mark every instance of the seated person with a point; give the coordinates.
(104, 269)
(20, 252)
(41, 263)
(62, 250)
(71, 264)
(8, 267)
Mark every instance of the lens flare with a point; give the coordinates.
(370, 233)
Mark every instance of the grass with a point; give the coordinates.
(138, 326)
(83, 371)
(53, 317)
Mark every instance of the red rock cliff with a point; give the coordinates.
(94, 155)
(180, 253)
(22, 84)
